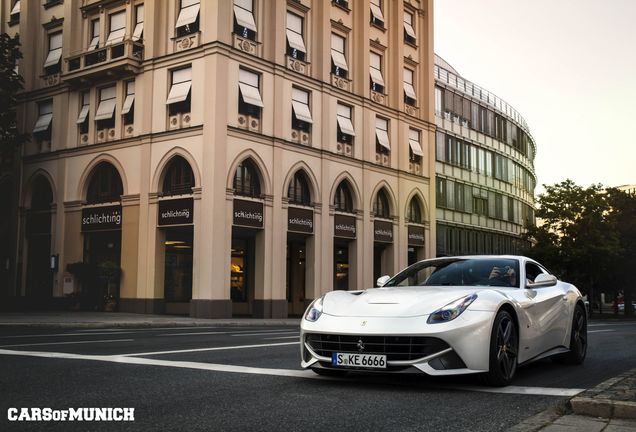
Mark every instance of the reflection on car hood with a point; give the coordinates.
(392, 301)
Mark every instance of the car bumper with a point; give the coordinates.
(466, 337)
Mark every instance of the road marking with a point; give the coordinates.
(233, 333)
(60, 335)
(231, 347)
(126, 359)
(267, 334)
(628, 324)
(190, 334)
(601, 331)
(69, 343)
(282, 337)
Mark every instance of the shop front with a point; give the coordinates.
(382, 248)
(416, 243)
(344, 251)
(247, 238)
(300, 230)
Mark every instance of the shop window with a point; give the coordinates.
(295, 43)
(94, 42)
(414, 214)
(247, 180)
(338, 56)
(188, 19)
(128, 108)
(301, 114)
(42, 128)
(179, 178)
(298, 191)
(343, 200)
(138, 32)
(377, 18)
(409, 31)
(116, 27)
(375, 72)
(54, 57)
(382, 144)
(104, 185)
(415, 148)
(250, 102)
(105, 115)
(82, 118)
(345, 127)
(179, 96)
(381, 205)
(244, 23)
(410, 97)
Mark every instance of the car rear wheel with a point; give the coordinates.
(578, 338)
(329, 372)
(504, 346)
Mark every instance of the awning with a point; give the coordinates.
(179, 92)
(408, 28)
(53, 58)
(301, 111)
(116, 36)
(251, 95)
(93, 44)
(16, 8)
(383, 138)
(244, 18)
(139, 30)
(106, 109)
(128, 103)
(409, 90)
(339, 59)
(188, 15)
(81, 118)
(415, 146)
(376, 12)
(346, 126)
(43, 122)
(376, 76)
(296, 41)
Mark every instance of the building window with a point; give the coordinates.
(250, 102)
(42, 128)
(441, 192)
(188, 19)
(52, 62)
(343, 200)
(382, 144)
(409, 91)
(381, 205)
(345, 127)
(409, 30)
(295, 43)
(246, 180)
(438, 101)
(105, 115)
(244, 24)
(338, 59)
(301, 114)
(94, 42)
(82, 118)
(341, 3)
(105, 185)
(116, 27)
(179, 97)
(415, 148)
(511, 209)
(298, 191)
(179, 178)
(376, 13)
(480, 205)
(414, 211)
(128, 108)
(139, 23)
(375, 71)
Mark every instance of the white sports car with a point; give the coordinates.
(448, 316)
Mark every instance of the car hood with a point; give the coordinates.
(392, 301)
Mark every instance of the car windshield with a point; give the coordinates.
(502, 272)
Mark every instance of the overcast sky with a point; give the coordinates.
(568, 67)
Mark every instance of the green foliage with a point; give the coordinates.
(10, 84)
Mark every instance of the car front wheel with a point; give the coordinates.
(504, 346)
(578, 338)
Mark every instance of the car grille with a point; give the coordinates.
(394, 347)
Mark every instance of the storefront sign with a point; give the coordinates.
(248, 213)
(176, 212)
(416, 235)
(101, 218)
(300, 220)
(383, 231)
(344, 226)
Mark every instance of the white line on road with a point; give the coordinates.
(601, 331)
(543, 391)
(191, 334)
(61, 335)
(69, 343)
(210, 349)
(267, 334)
(233, 333)
(282, 337)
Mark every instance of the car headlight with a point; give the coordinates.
(451, 310)
(314, 310)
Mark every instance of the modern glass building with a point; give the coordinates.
(485, 175)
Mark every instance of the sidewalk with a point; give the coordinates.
(608, 407)
(120, 319)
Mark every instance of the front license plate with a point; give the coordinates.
(372, 361)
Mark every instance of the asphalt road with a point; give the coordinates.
(248, 379)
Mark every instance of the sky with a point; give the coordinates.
(567, 66)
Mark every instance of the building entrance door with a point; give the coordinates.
(178, 270)
(296, 274)
(242, 271)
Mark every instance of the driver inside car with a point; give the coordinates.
(503, 276)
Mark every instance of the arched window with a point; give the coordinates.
(42, 195)
(415, 211)
(381, 205)
(179, 178)
(343, 200)
(298, 192)
(246, 179)
(105, 184)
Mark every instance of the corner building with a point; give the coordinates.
(484, 167)
(222, 158)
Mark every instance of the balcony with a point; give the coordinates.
(116, 60)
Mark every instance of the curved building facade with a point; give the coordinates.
(485, 177)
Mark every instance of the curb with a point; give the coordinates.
(598, 401)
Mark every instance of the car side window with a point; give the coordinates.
(532, 271)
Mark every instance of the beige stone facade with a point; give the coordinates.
(250, 86)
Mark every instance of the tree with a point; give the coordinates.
(10, 84)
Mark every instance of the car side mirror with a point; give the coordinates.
(542, 280)
(382, 280)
